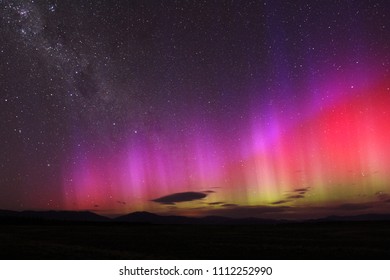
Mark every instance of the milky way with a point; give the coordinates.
(255, 108)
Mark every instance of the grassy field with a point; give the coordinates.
(346, 240)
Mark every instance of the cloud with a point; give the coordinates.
(209, 191)
(215, 203)
(278, 210)
(382, 195)
(280, 202)
(292, 195)
(180, 197)
(248, 211)
(296, 196)
(354, 206)
(229, 205)
(301, 190)
(165, 203)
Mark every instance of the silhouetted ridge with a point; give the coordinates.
(8, 213)
(54, 215)
(66, 215)
(151, 218)
(363, 218)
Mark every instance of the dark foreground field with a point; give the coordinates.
(342, 240)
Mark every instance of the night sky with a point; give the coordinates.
(274, 109)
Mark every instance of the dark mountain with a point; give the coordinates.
(8, 213)
(65, 215)
(53, 215)
(149, 218)
(357, 218)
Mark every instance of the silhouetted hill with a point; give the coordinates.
(138, 217)
(66, 215)
(357, 218)
(8, 213)
(53, 215)
(150, 218)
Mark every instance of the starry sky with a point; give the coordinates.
(274, 109)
